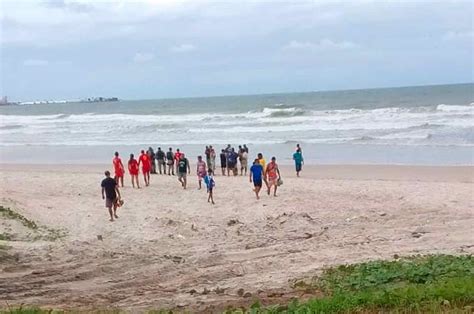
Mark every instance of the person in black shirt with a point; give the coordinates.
(183, 168)
(160, 157)
(223, 161)
(111, 194)
(170, 161)
(151, 155)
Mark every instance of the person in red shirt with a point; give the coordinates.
(144, 160)
(118, 168)
(177, 158)
(133, 170)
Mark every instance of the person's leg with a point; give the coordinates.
(115, 209)
(133, 182)
(269, 186)
(212, 197)
(138, 182)
(199, 180)
(110, 212)
(257, 190)
(275, 191)
(185, 180)
(121, 180)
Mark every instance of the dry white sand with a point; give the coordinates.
(170, 248)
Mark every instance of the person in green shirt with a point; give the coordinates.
(299, 161)
(183, 169)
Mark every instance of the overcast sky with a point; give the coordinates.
(160, 48)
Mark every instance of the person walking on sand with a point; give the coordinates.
(183, 169)
(170, 161)
(133, 170)
(213, 158)
(118, 168)
(298, 158)
(263, 163)
(210, 184)
(273, 176)
(144, 160)
(151, 155)
(177, 158)
(200, 170)
(232, 162)
(223, 161)
(255, 176)
(111, 195)
(160, 157)
(243, 162)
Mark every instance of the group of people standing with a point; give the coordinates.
(175, 162)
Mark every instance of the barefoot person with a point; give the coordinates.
(273, 176)
(200, 170)
(263, 163)
(243, 162)
(160, 157)
(210, 184)
(298, 158)
(183, 169)
(111, 195)
(133, 170)
(177, 158)
(118, 169)
(170, 161)
(223, 161)
(256, 174)
(144, 160)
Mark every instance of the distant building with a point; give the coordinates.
(4, 101)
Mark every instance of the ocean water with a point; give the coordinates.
(393, 125)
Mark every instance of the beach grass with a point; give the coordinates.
(11, 214)
(419, 284)
(435, 283)
(39, 232)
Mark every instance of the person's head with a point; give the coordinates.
(274, 159)
(171, 149)
(182, 157)
(131, 156)
(298, 145)
(143, 151)
(159, 148)
(255, 162)
(228, 145)
(199, 158)
(116, 154)
(177, 149)
(232, 150)
(150, 148)
(207, 147)
(107, 173)
(260, 156)
(245, 145)
(223, 151)
(210, 146)
(240, 146)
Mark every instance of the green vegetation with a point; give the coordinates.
(40, 232)
(437, 283)
(10, 214)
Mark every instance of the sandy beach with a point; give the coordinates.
(172, 249)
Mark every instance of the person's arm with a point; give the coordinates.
(189, 168)
(250, 176)
(139, 161)
(129, 167)
(103, 191)
(121, 165)
(197, 169)
(278, 171)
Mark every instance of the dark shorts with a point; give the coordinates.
(223, 164)
(109, 202)
(298, 166)
(257, 183)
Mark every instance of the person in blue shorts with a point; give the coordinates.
(210, 183)
(256, 175)
(298, 158)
